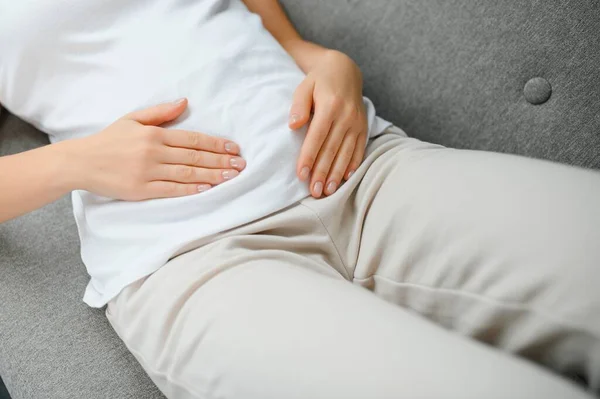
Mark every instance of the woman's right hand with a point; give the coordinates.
(134, 159)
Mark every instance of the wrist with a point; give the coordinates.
(69, 167)
(305, 53)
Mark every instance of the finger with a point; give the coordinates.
(315, 137)
(326, 157)
(159, 114)
(169, 189)
(199, 141)
(359, 153)
(302, 104)
(204, 159)
(340, 164)
(191, 174)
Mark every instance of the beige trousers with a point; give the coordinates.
(433, 273)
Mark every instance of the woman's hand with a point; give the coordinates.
(336, 139)
(133, 159)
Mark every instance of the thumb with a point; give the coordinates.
(302, 104)
(159, 114)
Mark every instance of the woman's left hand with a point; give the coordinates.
(335, 142)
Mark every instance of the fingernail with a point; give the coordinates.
(318, 188)
(237, 163)
(294, 118)
(178, 102)
(331, 187)
(204, 187)
(232, 148)
(304, 173)
(350, 174)
(229, 174)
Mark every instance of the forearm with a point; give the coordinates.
(32, 179)
(278, 24)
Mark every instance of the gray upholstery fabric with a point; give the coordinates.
(448, 71)
(453, 71)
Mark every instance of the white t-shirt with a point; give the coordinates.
(73, 67)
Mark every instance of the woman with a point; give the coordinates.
(225, 262)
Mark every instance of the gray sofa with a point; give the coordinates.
(511, 76)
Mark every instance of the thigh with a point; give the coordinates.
(266, 327)
(502, 248)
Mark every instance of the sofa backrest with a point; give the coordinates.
(455, 72)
